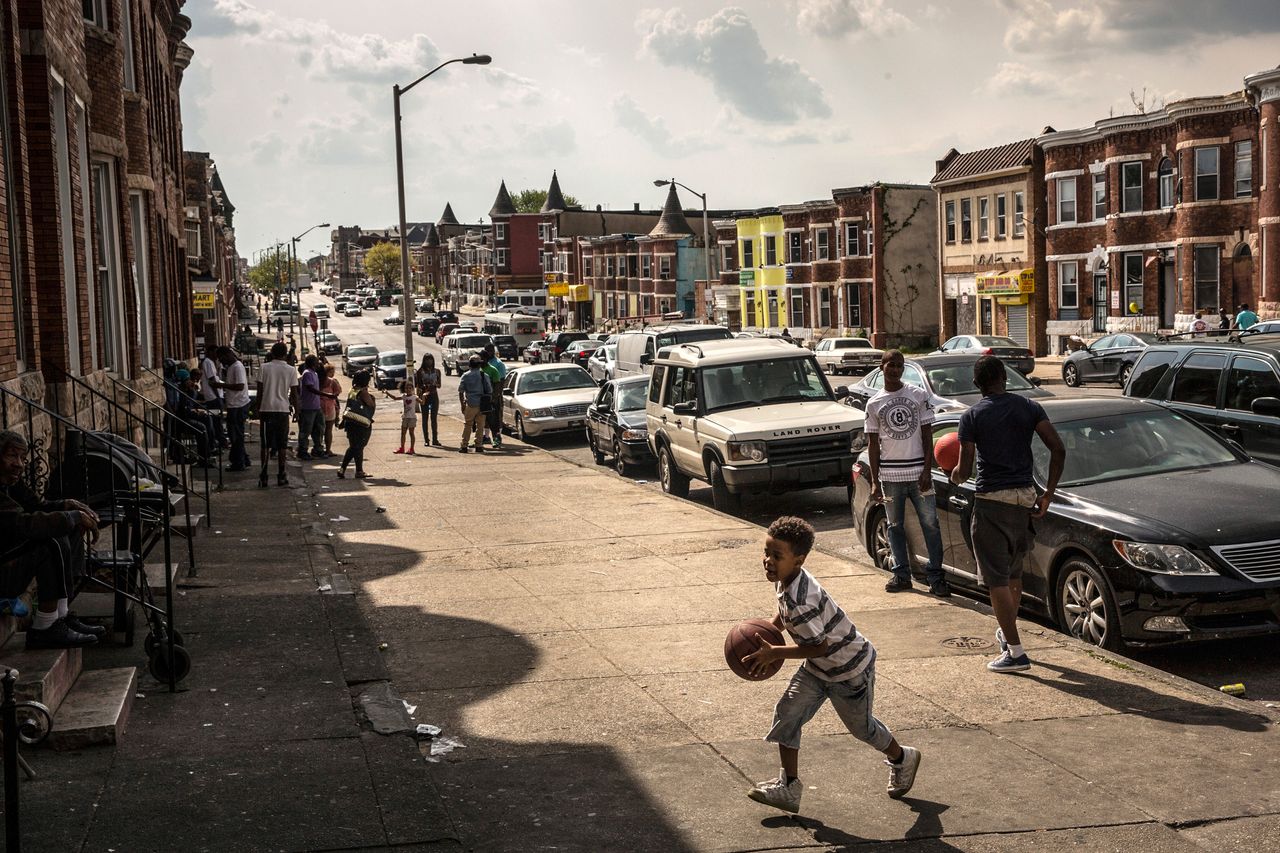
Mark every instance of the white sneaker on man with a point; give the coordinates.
(777, 793)
(903, 774)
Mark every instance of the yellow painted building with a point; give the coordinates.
(762, 274)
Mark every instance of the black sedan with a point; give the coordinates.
(1108, 359)
(427, 326)
(446, 316)
(948, 377)
(579, 351)
(616, 424)
(1154, 535)
(508, 349)
(1006, 349)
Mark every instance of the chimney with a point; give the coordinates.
(637, 207)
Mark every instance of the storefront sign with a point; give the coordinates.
(1007, 283)
(579, 292)
(558, 289)
(746, 277)
(204, 301)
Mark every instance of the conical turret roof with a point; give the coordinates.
(502, 205)
(555, 198)
(433, 236)
(447, 218)
(672, 222)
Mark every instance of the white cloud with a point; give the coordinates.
(838, 18)
(727, 51)
(267, 149)
(653, 129)
(1015, 79)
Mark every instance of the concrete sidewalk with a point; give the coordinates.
(565, 627)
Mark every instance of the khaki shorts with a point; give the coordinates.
(1001, 534)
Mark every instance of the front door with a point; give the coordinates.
(1101, 308)
(1168, 295)
(986, 322)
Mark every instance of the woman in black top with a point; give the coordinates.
(358, 422)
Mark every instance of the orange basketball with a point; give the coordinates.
(946, 451)
(741, 642)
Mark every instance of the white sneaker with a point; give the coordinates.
(903, 774)
(777, 793)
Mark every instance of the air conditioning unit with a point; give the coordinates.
(193, 212)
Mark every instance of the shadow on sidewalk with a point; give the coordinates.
(926, 830)
(1132, 698)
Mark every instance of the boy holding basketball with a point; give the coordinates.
(839, 664)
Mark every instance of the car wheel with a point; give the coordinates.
(1071, 376)
(447, 370)
(723, 499)
(878, 547)
(829, 370)
(1125, 373)
(1086, 607)
(619, 464)
(596, 454)
(673, 482)
(520, 433)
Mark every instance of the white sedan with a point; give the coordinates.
(545, 398)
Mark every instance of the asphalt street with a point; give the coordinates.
(1255, 662)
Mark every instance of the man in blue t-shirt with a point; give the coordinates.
(998, 429)
(1246, 319)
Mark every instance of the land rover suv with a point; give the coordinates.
(748, 416)
(1231, 387)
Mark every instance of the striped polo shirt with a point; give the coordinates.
(810, 617)
(896, 417)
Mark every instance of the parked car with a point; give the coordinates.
(546, 398)
(1108, 359)
(508, 349)
(1231, 388)
(1125, 555)
(579, 352)
(329, 342)
(422, 306)
(457, 349)
(637, 350)
(847, 355)
(1266, 327)
(557, 342)
(446, 316)
(949, 378)
(284, 314)
(1007, 349)
(358, 357)
(370, 303)
(352, 310)
(602, 362)
(390, 370)
(427, 326)
(392, 319)
(616, 424)
(533, 352)
(444, 329)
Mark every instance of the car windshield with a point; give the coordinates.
(504, 339)
(631, 396)
(990, 341)
(1134, 444)
(950, 380)
(360, 352)
(761, 383)
(391, 359)
(691, 336)
(472, 341)
(563, 379)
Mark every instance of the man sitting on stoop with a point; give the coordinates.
(48, 538)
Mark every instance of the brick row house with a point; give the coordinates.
(210, 243)
(863, 262)
(92, 266)
(990, 260)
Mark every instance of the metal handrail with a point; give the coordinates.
(147, 401)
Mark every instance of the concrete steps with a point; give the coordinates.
(45, 675)
(155, 576)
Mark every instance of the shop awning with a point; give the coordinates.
(1015, 283)
(579, 293)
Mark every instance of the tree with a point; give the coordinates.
(272, 272)
(383, 261)
(531, 201)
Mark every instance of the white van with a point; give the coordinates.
(457, 348)
(636, 350)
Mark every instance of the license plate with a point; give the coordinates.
(577, 423)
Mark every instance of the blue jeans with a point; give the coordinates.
(236, 417)
(896, 496)
(311, 426)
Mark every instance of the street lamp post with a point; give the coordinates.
(396, 92)
(706, 231)
(293, 286)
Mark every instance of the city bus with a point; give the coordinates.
(525, 328)
(535, 301)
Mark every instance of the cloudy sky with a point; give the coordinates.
(754, 103)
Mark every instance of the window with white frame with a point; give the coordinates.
(1133, 284)
(1244, 168)
(126, 36)
(141, 275)
(95, 12)
(499, 231)
(502, 259)
(870, 239)
(611, 266)
(770, 250)
(984, 217)
(1066, 200)
(824, 308)
(727, 256)
(544, 231)
(795, 247)
(796, 317)
(664, 267)
(108, 257)
(822, 244)
(646, 266)
(966, 220)
(950, 220)
(853, 245)
(86, 225)
(1164, 176)
(1206, 174)
(1206, 259)
(1002, 203)
(192, 232)
(749, 308)
(1069, 285)
(1099, 196)
(748, 254)
(1130, 187)
(1019, 214)
(853, 305)
(772, 315)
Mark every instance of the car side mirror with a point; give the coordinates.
(1034, 380)
(1266, 406)
(842, 392)
(646, 358)
(686, 408)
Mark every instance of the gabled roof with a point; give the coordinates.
(672, 221)
(447, 218)
(954, 166)
(502, 205)
(555, 198)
